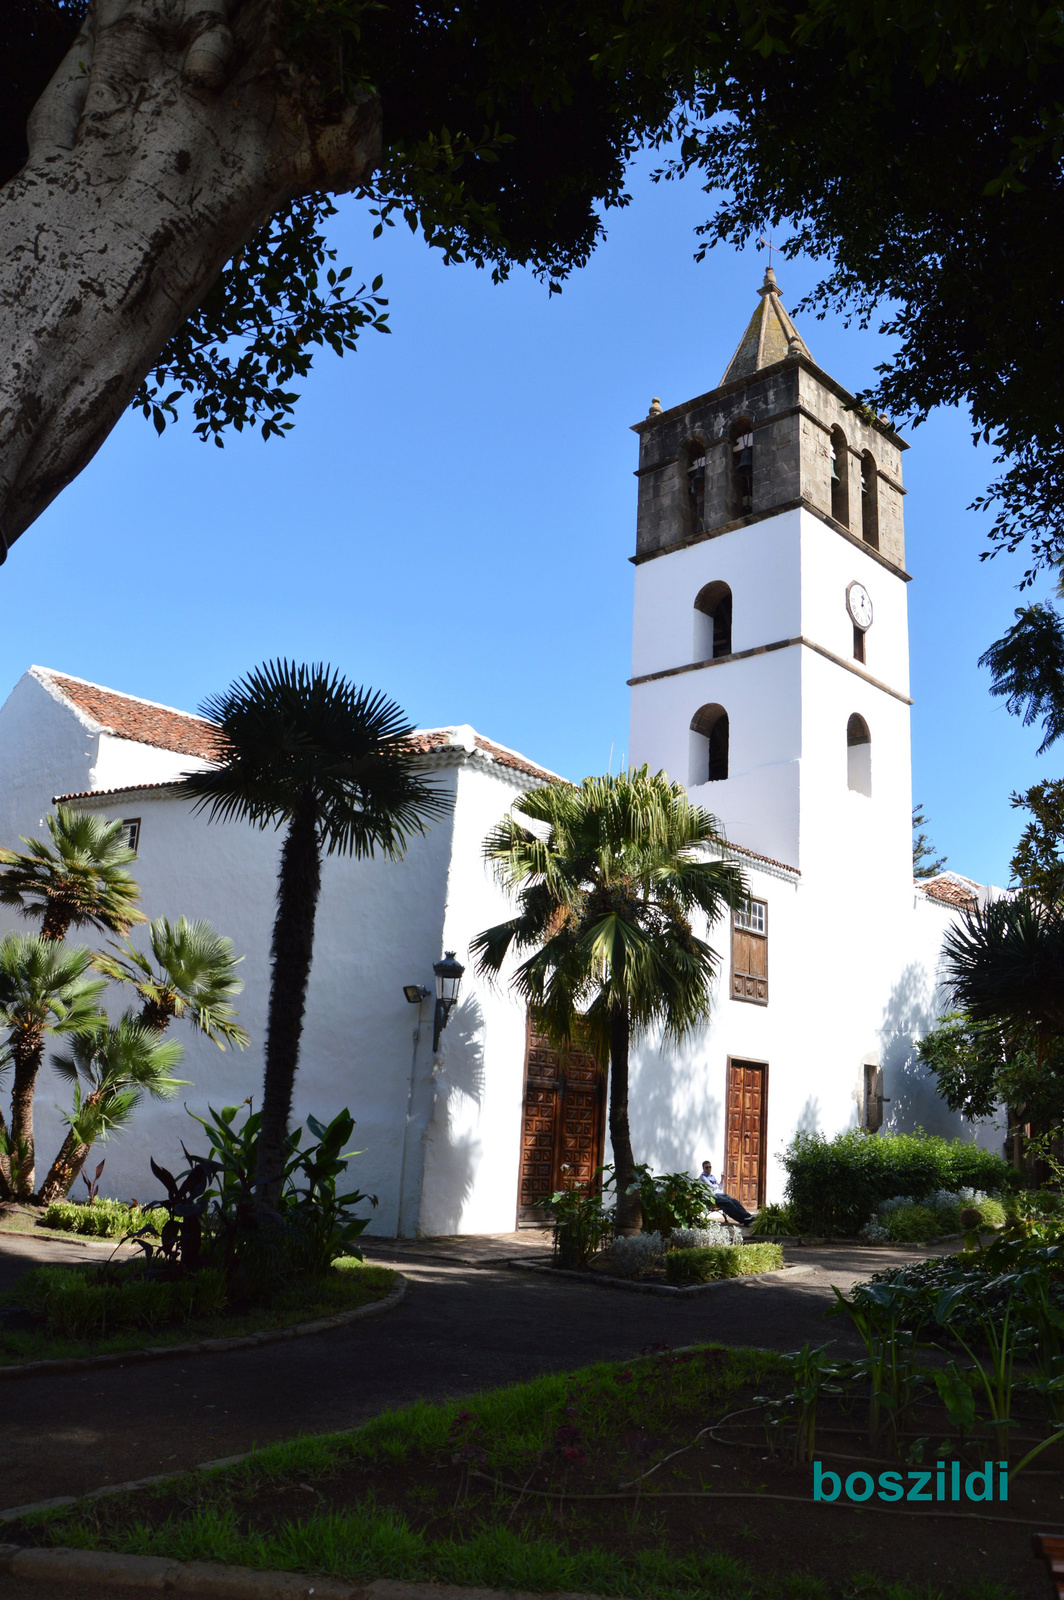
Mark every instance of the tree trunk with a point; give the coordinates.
(6, 1191)
(170, 133)
(27, 1052)
(63, 1173)
(298, 887)
(629, 1211)
(56, 924)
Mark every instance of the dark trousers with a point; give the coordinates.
(732, 1208)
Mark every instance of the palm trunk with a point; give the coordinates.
(27, 1052)
(56, 922)
(64, 1170)
(298, 887)
(6, 1191)
(629, 1211)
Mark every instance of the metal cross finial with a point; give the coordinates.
(769, 246)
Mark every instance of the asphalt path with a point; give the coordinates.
(460, 1329)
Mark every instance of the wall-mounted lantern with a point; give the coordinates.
(448, 981)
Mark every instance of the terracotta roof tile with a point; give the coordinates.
(950, 890)
(755, 855)
(141, 720)
(432, 739)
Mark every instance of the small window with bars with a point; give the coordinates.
(131, 832)
(750, 952)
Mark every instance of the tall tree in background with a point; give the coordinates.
(78, 881)
(334, 766)
(181, 163)
(608, 878)
(925, 863)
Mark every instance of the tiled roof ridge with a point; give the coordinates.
(755, 855)
(950, 888)
(127, 716)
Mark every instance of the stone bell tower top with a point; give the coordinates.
(777, 434)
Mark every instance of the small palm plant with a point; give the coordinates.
(77, 880)
(111, 1072)
(44, 989)
(335, 767)
(194, 975)
(608, 878)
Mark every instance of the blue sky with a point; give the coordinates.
(451, 519)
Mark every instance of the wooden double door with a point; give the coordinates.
(563, 1125)
(745, 1129)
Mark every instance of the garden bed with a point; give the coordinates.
(344, 1289)
(652, 1479)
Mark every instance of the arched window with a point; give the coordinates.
(709, 745)
(840, 477)
(713, 612)
(869, 500)
(741, 438)
(693, 459)
(858, 755)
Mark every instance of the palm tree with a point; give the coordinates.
(608, 877)
(1004, 962)
(43, 990)
(194, 974)
(119, 1066)
(77, 880)
(332, 764)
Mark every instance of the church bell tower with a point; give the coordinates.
(770, 666)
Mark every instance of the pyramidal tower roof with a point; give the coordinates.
(770, 335)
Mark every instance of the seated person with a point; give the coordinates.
(726, 1202)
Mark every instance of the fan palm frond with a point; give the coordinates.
(78, 880)
(194, 975)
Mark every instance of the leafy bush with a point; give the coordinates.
(88, 1305)
(774, 1219)
(904, 1221)
(833, 1186)
(104, 1219)
(671, 1200)
(581, 1224)
(212, 1218)
(721, 1261)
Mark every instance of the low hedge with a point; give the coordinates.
(104, 1219)
(713, 1261)
(835, 1185)
(84, 1305)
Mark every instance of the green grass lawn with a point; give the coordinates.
(531, 1487)
(347, 1287)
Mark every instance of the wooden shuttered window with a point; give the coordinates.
(750, 952)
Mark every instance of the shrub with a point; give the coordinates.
(581, 1224)
(671, 1200)
(834, 1185)
(714, 1232)
(721, 1261)
(774, 1219)
(106, 1219)
(630, 1255)
(89, 1305)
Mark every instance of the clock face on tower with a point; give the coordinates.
(859, 605)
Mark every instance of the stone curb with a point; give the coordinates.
(241, 1341)
(232, 1583)
(600, 1281)
(57, 1236)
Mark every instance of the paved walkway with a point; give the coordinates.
(461, 1328)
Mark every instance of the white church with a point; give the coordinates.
(769, 675)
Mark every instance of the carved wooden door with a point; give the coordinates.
(562, 1126)
(745, 1146)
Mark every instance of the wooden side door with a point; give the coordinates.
(745, 1132)
(562, 1126)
